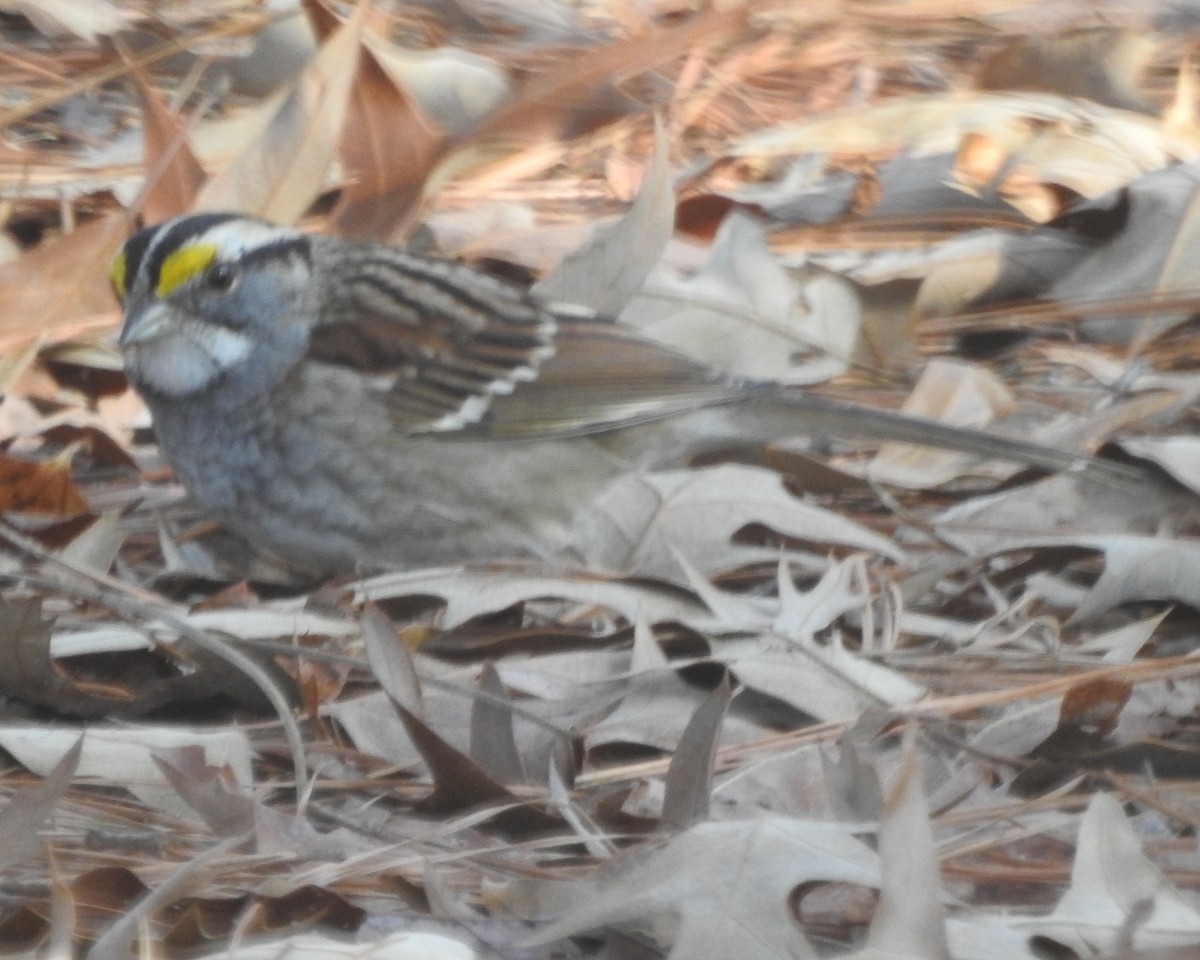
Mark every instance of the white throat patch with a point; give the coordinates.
(177, 356)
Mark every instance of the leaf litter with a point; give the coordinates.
(815, 700)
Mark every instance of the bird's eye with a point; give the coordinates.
(220, 277)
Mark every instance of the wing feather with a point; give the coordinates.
(468, 356)
(603, 375)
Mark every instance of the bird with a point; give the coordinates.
(346, 406)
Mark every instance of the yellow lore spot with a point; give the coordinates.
(116, 273)
(181, 265)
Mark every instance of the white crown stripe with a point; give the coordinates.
(232, 238)
(236, 238)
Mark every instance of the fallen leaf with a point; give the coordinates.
(746, 314)
(174, 176)
(387, 149)
(405, 945)
(493, 740)
(1096, 704)
(910, 920)
(460, 784)
(87, 19)
(610, 268)
(60, 288)
(580, 95)
(1102, 63)
(124, 757)
(1110, 876)
(283, 170)
(719, 890)
(29, 807)
(38, 487)
(470, 593)
(958, 393)
(644, 523)
(689, 780)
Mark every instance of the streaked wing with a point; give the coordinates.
(441, 340)
(458, 353)
(603, 375)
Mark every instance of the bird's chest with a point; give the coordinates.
(331, 483)
(219, 455)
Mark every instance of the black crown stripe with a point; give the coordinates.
(163, 239)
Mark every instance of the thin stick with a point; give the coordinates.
(137, 606)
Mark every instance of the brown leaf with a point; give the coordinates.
(206, 791)
(60, 288)
(31, 676)
(111, 889)
(82, 366)
(580, 95)
(181, 881)
(460, 784)
(1102, 64)
(98, 445)
(1096, 704)
(387, 148)
(44, 488)
(173, 174)
(284, 169)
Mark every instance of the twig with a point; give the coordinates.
(137, 606)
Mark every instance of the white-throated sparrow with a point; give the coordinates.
(344, 404)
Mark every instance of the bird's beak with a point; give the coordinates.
(144, 324)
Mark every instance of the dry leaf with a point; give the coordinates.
(1102, 63)
(390, 661)
(124, 756)
(910, 919)
(645, 523)
(824, 680)
(454, 88)
(460, 784)
(607, 271)
(405, 945)
(581, 95)
(719, 890)
(937, 123)
(749, 316)
(38, 487)
(470, 593)
(654, 712)
(955, 393)
(689, 780)
(60, 288)
(1109, 878)
(174, 176)
(1095, 704)
(493, 741)
(27, 810)
(285, 168)
(87, 19)
(387, 149)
